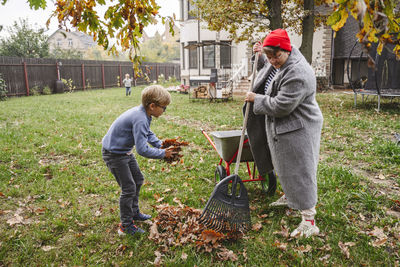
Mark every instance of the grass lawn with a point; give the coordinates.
(59, 203)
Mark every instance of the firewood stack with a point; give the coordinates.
(200, 92)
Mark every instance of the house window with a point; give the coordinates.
(225, 55)
(183, 55)
(58, 42)
(209, 56)
(69, 42)
(192, 57)
(190, 8)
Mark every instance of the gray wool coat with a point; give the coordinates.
(292, 128)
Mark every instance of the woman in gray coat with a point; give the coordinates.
(284, 91)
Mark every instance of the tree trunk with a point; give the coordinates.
(308, 31)
(275, 14)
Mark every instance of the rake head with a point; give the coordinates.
(228, 207)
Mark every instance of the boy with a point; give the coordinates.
(132, 128)
(128, 83)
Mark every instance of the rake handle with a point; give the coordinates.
(246, 115)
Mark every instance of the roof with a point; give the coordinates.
(346, 39)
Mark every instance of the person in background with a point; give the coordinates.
(128, 84)
(284, 91)
(132, 129)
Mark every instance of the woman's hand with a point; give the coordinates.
(250, 97)
(257, 47)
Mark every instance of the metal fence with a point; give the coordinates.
(22, 74)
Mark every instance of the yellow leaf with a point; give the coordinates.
(343, 18)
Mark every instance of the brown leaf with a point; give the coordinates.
(226, 254)
(158, 260)
(345, 249)
(379, 242)
(184, 256)
(17, 219)
(284, 231)
(281, 246)
(154, 231)
(377, 232)
(257, 226)
(48, 248)
(303, 249)
(2, 195)
(211, 236)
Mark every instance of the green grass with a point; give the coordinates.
(52, 174)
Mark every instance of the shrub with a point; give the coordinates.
(172, 79)
(34, 90)
(3, 88)
(46, 90)
(69, 84)
(161, 78)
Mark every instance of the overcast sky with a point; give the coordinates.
(15, 9)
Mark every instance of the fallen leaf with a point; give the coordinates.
(304, 249)
(184, 256)
(379, 242)
(381, 176)
(325, 258)
(154, 232)
(284, 231)
(17, 219)
(2, 195)
(48, 248)
(226, 254)
(377, 232)
(344, 249)
(281, 246)
(256, 227)
(158, 260)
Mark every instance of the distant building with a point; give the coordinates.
(71, 40)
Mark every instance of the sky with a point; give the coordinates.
(13, 10)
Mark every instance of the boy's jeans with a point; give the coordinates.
(129, 177)
(128, 91)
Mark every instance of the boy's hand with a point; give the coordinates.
(168, 153)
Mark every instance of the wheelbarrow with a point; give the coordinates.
(226, 144)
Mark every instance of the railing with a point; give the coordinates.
(238, 72)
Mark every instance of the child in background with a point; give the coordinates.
(132, 128)
(127, 83)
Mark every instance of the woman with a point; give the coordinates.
(284, 91)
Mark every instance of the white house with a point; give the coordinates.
(203, 50)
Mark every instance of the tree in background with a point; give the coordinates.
(23, 41)
(252, 20)
(158, 50)
(59, 53)
(124, 20)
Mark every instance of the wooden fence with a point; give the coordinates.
(22, 74)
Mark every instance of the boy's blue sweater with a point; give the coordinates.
(132, 128)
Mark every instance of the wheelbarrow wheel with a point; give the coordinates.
(269, 187)
(220, 173)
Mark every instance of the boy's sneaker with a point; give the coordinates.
(306, 228)
(141, 217)
(282, 202)
(130, 230)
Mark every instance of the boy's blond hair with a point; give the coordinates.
(155, 94)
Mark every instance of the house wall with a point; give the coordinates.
(189, 32)
(66, 40)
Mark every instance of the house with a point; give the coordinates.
(205, 53)
(71, 40)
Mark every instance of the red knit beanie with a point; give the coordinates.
(278, 38)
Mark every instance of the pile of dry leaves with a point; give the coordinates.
(176, 147)
(178, 226)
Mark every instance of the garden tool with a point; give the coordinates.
(228, 207)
